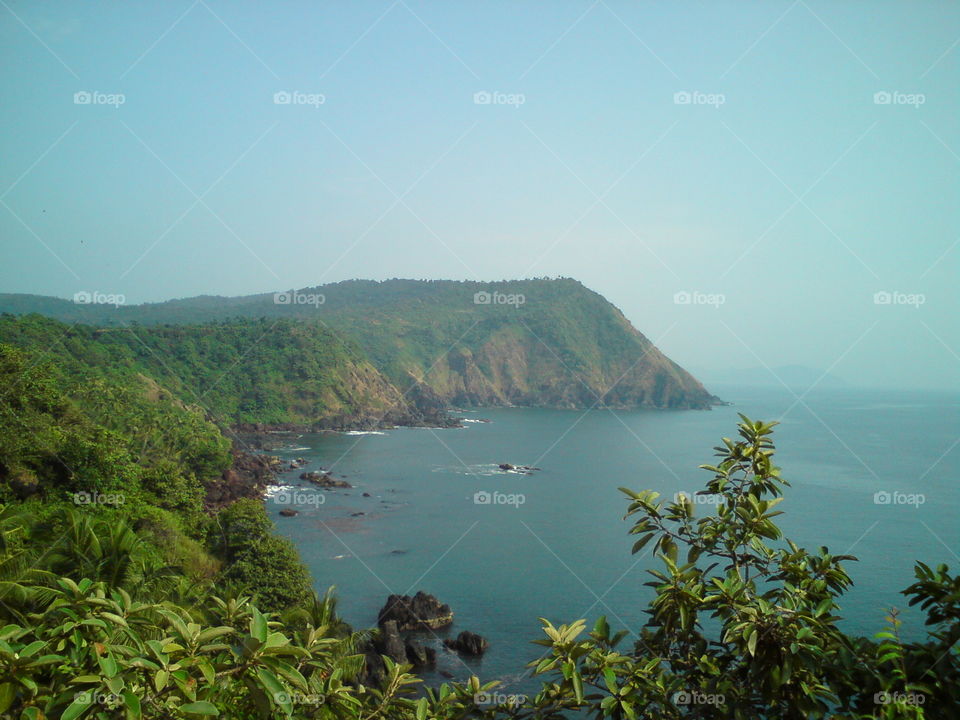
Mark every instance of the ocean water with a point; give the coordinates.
(554, 544)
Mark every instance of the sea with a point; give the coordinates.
(873, 473)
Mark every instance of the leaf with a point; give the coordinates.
(422, 709)
(132, 703)
(8, 692)
(752, 641)
(78, 707)
(201, 707)
(258, 626)
(275, 689)
(160, 679)
(108, 665)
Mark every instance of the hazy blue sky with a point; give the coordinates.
(784, 185)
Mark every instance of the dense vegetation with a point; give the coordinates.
(123, 596)
(253, 371)
(533, 342)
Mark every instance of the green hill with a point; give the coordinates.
(551, 343)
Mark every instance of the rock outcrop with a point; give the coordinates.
(468, 643)
(420, 612)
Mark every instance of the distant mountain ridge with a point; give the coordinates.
(442, 343)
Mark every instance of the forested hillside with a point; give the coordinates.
(550, 343)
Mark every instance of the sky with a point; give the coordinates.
(753, 184)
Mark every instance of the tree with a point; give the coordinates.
(743, 623)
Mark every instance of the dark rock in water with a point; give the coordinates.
(356, 514)
(287, 512)
(420, 612)
(524, 469)
(398, 552)
(420, 656)
(390, 643)
(324, 479)
(468, 643)
(366, 494)
(446, 674)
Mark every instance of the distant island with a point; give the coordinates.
(361, 353)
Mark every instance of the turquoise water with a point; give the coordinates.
(564, 553)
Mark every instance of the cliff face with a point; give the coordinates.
(402, 350)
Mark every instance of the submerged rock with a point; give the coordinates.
(287, 512)
(420, 612)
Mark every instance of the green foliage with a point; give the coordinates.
(251, 371)
(259, 562)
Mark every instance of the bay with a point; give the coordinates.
(874, 474)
